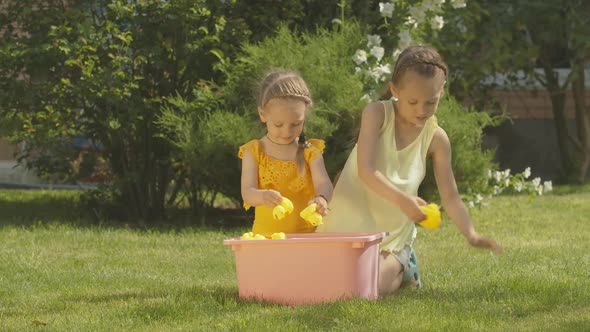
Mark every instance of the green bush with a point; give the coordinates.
(206, 139)
(324, 61)
(104, 70)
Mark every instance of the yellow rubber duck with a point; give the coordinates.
(278, 236)
(282, 210)
(433, 219)
(310, 215)
(247, 236)
(274, 236)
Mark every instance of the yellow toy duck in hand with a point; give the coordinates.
(433, 219)
(282, 210)
(310, 215)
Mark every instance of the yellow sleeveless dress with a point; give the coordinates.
(356, 208)
(281, 175)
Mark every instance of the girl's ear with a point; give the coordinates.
(261, 115)
(393, 90)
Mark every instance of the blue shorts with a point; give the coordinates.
(409, 261)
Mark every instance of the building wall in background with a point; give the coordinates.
(529, 139)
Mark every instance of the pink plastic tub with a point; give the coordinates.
(308, 268)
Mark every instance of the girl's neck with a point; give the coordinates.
(401, 123)
(280, 144)
(284, 151)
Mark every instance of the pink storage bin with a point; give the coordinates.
(308, 268)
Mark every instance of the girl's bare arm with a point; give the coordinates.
(440, 150)
(249, 185)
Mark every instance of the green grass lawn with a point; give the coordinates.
(59, 272)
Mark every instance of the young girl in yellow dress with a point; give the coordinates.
(283, 163)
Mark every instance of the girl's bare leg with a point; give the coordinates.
(390, 273)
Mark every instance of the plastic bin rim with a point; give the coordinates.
(314, 237)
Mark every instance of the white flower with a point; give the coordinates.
(373, 40)
(437, 22)
(489, 173)
(506, 173)
(386, 9)
(381, 72)
(548, 186)
(376, 75)
(527, 172)
(518, 186)
(431, 5)
(378, 52)
(357, 70)
(498, 176)
(471, 205)
(359, 57)
(410, 21)
(436, 3)
(507, 182)
(478, 198)
(366, 98)
(461, 26)
(418, 14)
(540, 190)
(384, 69)
(405, 39)
(536, 182)
(396, 53)
(458, 4)
(497, 190)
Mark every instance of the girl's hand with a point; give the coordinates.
(271, 198)
(322, 205)
(481, 242)
(411, 208)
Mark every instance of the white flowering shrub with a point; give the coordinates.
(405, 22)
(503, 182)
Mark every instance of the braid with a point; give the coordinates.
(423, 59)
(284, 84)
(303, 143)
(287, 84)
(428, 62)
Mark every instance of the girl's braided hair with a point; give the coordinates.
(424, 60)
(289, 85)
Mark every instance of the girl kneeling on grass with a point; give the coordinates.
(378, 187)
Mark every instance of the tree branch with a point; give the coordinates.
(576, 143)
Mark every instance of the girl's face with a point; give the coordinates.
(284, 119)
(418, 96)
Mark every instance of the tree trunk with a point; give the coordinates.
(582, 121)
(557, 95)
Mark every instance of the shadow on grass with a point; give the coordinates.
(28, 208)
